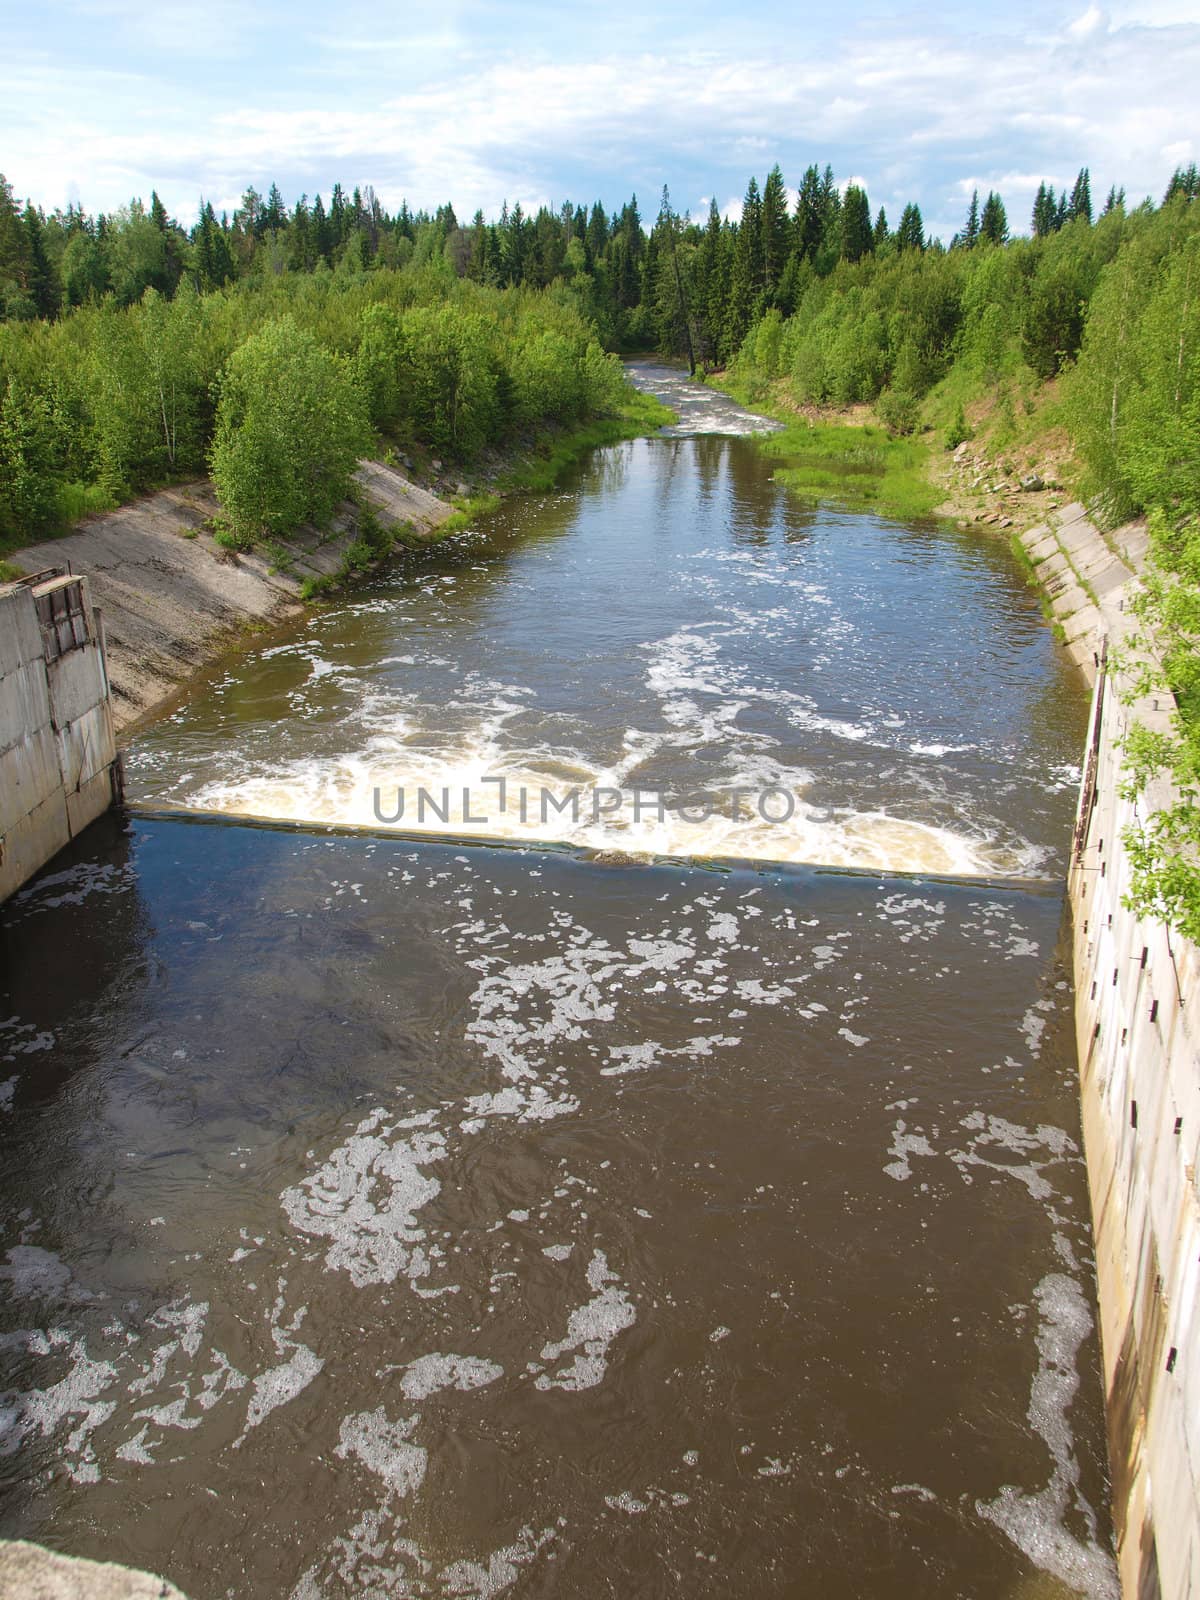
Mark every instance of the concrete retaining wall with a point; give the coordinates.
(173, 598)
(1137, 1013)
(57, 748)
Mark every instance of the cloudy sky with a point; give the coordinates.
(477, 102)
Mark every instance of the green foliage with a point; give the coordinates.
(899, 410)
(290, 426)
(959, 430)
(28, 454)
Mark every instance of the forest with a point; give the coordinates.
(273, 345)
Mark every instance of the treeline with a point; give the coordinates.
(889, 326)
(644, 283)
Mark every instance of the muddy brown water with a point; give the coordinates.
(393, 1214)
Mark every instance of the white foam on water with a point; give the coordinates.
(457, 802)
(904, 1145)
(365, 1198)
(279, 1385)
(591, 1330)
(384, 1448)
(1035, 1522)
(429, 1374)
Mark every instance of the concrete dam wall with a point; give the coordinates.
(1137, 994)
(58, 756)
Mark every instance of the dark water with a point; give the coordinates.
(393, 1216)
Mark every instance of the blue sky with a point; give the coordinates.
(474, 103)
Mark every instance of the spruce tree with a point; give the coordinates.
(322, 239)
(1042, 221)
(775, 231)
(857, 237)
(810, 215)
(970, 234)
(1081, 196)
(993, 224)
(910, 235)
(40, 282)
(746, 270)
(1184, 184)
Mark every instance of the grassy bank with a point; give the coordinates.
(542, 467)
(860, 466)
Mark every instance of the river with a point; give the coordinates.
(560, 1188)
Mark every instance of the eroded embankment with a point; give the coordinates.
(172, 598)
(1140, 1088)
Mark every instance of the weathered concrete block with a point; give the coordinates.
(24, 702)
(1084, 624)
(86, 747)
(1066, 596)
(1079, 536)
(76, 684)
(90, 801)
(1110, 580)
(28, 775)
(1071, 513)
(30, 842)
(28, 1572)
(20, 635)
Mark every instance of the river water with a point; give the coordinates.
(564, 1196)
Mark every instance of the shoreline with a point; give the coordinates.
(177, 602)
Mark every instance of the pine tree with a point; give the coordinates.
(993, 223)
(14, 247)
(857, 238)
(1184, 184)
(274, 214)
(910, 235)
(1081, 196)
(1115, 200)
(338, 225)
(775, 231)
(969, 237)
(597, 231)
(745, 275)
(302, 252)
(831, 214)
(881, 234)
(711, 284)
(675, 296)
(810, 215)
(321, 236)
(41, 285)
(1042, 221)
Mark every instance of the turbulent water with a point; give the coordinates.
(775, 682)
(386, 1214)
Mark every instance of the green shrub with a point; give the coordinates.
(291, 424)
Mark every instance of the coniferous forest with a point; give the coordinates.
(118, 332)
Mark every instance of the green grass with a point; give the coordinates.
(9, 573)
(75, 501)
(863, 468)
(1029, 572)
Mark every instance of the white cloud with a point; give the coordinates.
(915, 111)
(1092, 20)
